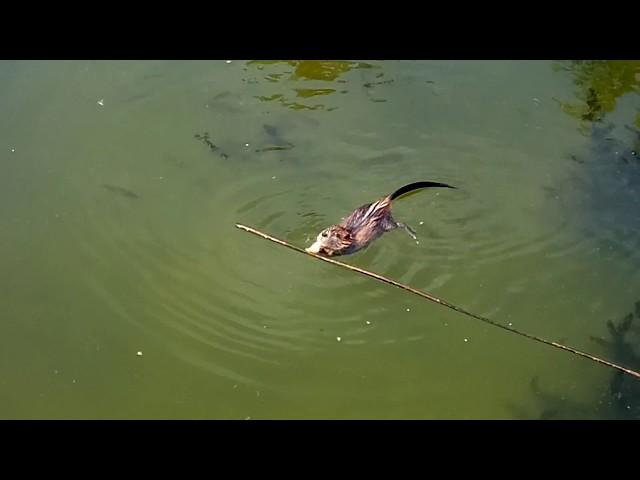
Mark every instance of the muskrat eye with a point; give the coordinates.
(324, 234)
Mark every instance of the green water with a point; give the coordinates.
(120, 183)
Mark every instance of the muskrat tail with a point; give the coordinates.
(416, 186)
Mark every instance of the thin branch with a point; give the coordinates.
(439, 301)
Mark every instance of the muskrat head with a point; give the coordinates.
(333, 240)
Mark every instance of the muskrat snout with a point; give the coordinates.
(315, 248)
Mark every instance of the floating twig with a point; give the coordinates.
(439, 301)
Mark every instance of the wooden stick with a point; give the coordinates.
(440, 301)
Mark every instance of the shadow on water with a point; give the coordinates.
(607, 174)
(271, 140)
(607, 199)
(276, 141)
(123, 192)
(619, 399)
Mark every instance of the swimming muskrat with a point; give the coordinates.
(365, 224)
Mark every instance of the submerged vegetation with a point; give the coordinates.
(326, 71)
(599, 86)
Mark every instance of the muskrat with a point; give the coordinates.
(365, 224)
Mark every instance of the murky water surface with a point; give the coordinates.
(126, 291)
